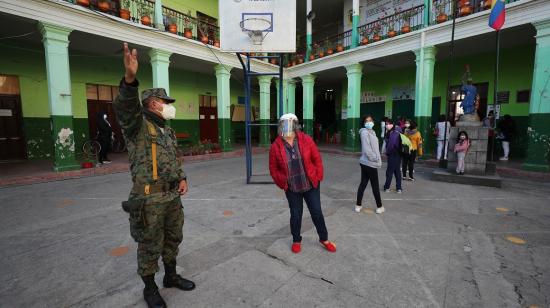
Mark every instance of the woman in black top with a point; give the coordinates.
(104, 132)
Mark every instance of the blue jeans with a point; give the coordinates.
(394, 162)
(296, 205)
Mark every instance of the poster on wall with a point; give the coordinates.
(497, 112)
(403, 92)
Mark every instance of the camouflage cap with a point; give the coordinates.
(156, 92)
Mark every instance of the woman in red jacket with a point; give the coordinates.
(296, 167)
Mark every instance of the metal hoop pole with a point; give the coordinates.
(280, 85)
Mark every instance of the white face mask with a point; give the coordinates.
(168, 112)
(407, 125)
(389, 126)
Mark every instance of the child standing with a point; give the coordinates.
(461, 148)
(416, 150)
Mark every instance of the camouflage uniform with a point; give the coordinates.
(157, 225)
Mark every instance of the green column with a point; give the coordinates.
(291, 96)
(425, 62)
(285, 93)
(159, 21)
(265, 95)
(355, 24)
(354, 73)
(538, 132)
(308, 81)
(224, 107)
(160, 62)
(56, 47)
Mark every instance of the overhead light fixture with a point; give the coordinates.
(310, 16)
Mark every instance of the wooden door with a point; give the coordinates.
(208, 118)
(12, 139)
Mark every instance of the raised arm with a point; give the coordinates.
(127, 105)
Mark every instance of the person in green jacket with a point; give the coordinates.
(154, 204)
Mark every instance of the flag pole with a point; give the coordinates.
(443, 159)
(495, 98)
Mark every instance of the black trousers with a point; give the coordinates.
(105, 147)
(369, 173)
(296, 204)
(408, 163)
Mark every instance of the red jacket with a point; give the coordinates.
(278, 161)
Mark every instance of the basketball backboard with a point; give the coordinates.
(258, 25)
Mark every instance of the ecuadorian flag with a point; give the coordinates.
(496, 19)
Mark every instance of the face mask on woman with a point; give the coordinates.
(407, 125)
(369, 125)
(462, 137)
(389, 126)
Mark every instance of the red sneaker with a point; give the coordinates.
(330, 246)
(296, 247)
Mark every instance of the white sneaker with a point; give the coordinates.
(380, 210)
(503, 158)
(399, 191)
(358, 208)
(387, 190)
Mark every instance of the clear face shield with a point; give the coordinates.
(288, 127)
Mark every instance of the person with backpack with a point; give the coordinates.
(415, 149)
(370, 161)
(461, 149)
(393, 153)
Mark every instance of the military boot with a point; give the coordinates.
(172, 279)
(151, 293)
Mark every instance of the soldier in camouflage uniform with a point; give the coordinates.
(154, 205)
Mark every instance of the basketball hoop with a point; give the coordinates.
(255, 27)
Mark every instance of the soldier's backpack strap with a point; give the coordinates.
(153, 132)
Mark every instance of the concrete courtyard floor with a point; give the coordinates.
(67, 244)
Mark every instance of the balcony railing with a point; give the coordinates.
(331, 45)
(143, 12)
(442, 9)
(187, 26)
(393, 25)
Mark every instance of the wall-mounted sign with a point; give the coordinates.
(371, 97)
(403, 92)
(6, 113)
(503, 97)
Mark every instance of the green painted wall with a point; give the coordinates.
(516, 70)
(208, 7)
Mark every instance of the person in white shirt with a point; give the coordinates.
(439, 132)
(382, 134)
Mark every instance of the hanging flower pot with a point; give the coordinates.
(188, 33)
(217, 43)
(173, 28)
(364, 41)
(330, 51)
(486, 5)
(124, 14)
(376, 37)
(339, 48)
(392, 33)
(311, 57)
(442, 17)
(273, 61)
(406, 29)
(85, 3)
(146, 20)
(465, 8)
(104, 6)
(204, 39)
(321, 54)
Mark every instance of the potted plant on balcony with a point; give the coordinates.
(376, 32)
(339, 47)
(440, 8)
(465, 8)
(203, 30)
(172, 21)
(104, 5)
(85, 3)
(273, 61)
(328, 47)
(188, 25)
(406, 18)
(485, 5)
(391, 27)
(145, 16)
(124, 11)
